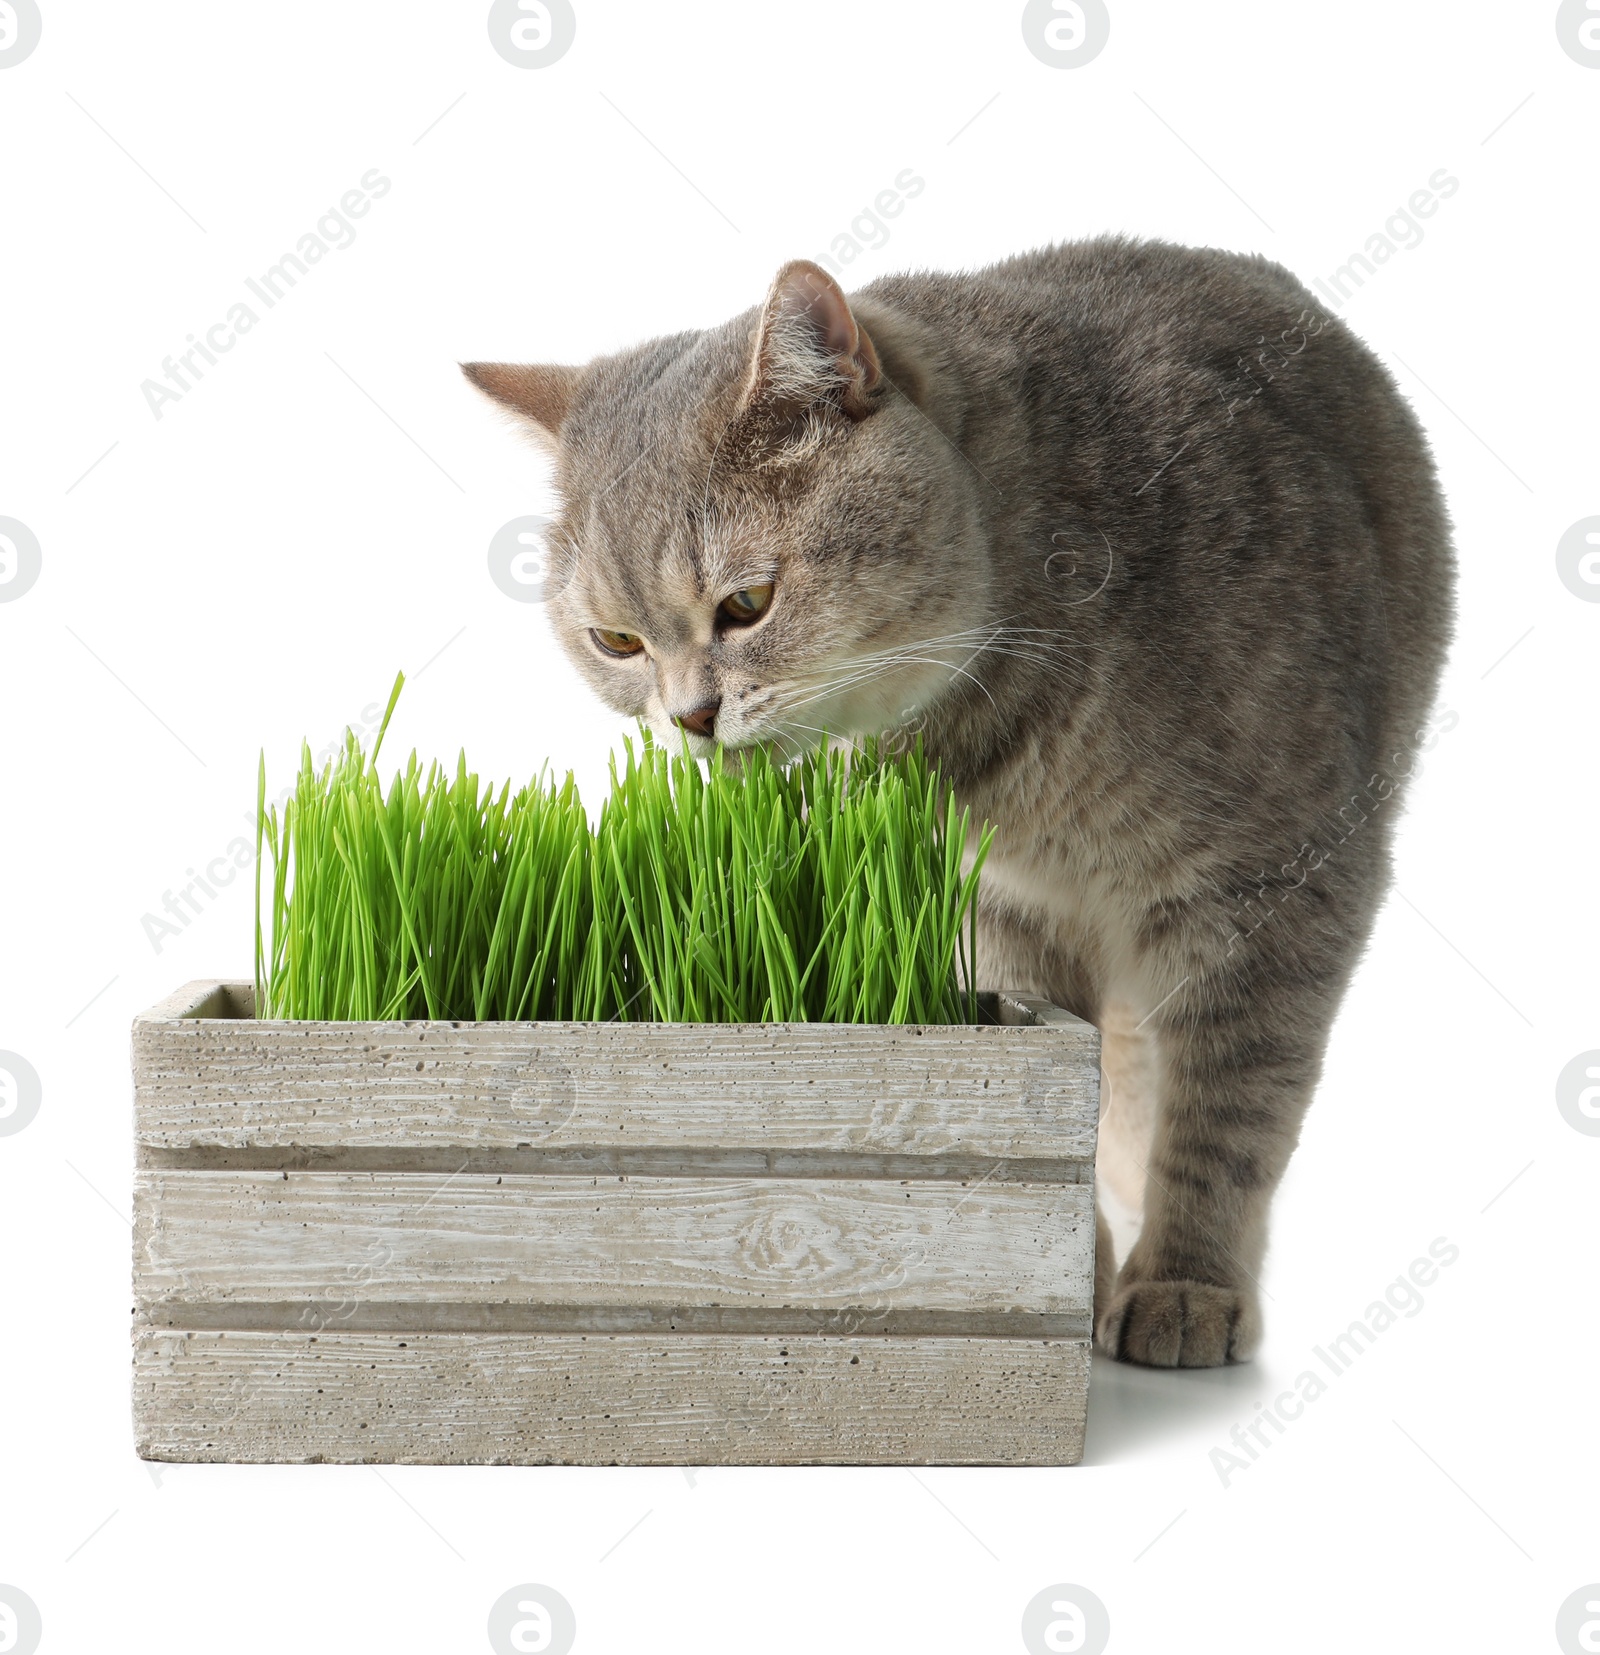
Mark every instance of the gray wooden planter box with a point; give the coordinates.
(597, 1243)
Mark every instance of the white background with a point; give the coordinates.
(254, 567)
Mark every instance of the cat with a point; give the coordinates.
(1151, 553)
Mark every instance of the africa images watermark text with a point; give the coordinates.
(205, 883)
(332, 233)
(1402, 1297)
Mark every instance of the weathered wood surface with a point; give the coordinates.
(964, 1094)
(720, 1399)
(673, 1243)
(440, 1242)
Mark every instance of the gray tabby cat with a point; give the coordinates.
(1152, 552)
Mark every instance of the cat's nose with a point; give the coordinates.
(701, 721)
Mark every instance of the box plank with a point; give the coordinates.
(968, 1095)
(546, 1399)
(337, 1239)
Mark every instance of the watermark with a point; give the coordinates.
(893, 1274)
(1251, 912)
(1401, 1298)
(1577, 1094)
(1061, 567)
(851, 1319)
(180, 910)
(782, 1243)
(20, 28)
(338, 1305)
(1253, 370)
(1578, 1622)
(867, 232)
(541, 1098)
(204, 884)
(332, 233)
(1065, 1618)
(1400, 232)
(1066, 34)
(20, 557)
(1266, 359)
(20, 1623)
(532, 1618)
(1577, 559)
(532, 34)
(520, 562)
(20, 1095)
(1578, 30)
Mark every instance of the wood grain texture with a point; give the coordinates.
(586, 1243)
(542, 1399)
(968, 1094)
(668, 1243)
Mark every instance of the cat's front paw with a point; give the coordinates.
(1180, 1324)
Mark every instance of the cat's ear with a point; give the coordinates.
(542, 394)
(810, 348)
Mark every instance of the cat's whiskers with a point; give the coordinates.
(835, 673)
(982, 639)
(901, 658)
(1018, 643)
(845, 682)
(846, 679)
(1034, 645)
(889, 657)
(811, 729)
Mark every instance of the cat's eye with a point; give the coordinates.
(747, 605)
(617, 643)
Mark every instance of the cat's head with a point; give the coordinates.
(763, 533)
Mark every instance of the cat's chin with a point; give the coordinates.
(676, 740)
(737, 754)
(784, 750)
(703, 749)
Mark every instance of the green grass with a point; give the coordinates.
(823, 891)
